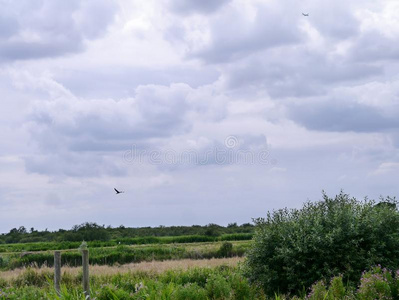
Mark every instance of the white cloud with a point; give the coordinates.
(386, 168)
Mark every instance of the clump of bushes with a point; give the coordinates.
(294, 248)
(226, 250)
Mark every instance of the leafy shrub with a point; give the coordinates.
(337, 289)
(241, 288)
(191, 291)
(217, 287)
(341, 235)
(226, 250)
(376, 284)
(108, 292)
(318, 291)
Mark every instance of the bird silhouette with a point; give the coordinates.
(118, 192)
(305, 15)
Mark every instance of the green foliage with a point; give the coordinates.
(376, 284)
(191, 291)
(111, 292)
(123, 254)
(93, 232)
(193, 284)
(337, 289)
(226, 250)
(341, 235)
(30, 277)
(44, 246)
(318, 291)
(217, 287)
(241, 288)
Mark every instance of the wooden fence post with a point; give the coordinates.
(57, 272)
(85, 263)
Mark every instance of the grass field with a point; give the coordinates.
(178, 280)
(204, 279)
(139, 271)
(123, 254)
(44, 246)
(154, 267)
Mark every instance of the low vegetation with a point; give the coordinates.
(123, 254)
(202, 283)
(44, 246)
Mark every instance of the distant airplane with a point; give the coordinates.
(305, 15)
(118, 192)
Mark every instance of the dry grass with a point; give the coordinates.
(153, 267)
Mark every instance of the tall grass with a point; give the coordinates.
(222, 282)
(124, 254)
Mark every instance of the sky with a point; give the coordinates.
(201, 111)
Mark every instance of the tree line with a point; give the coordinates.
(94, 232)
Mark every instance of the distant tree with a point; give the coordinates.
(22, 230)
(247, 225)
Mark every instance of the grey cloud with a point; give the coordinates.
(375, 46)
(8, 24)
(69, 131)
(296, 72)
(340, 115)
(121, 82)
(334, 19)
(195, 6)
(155, 112)
(74, 165)
(37, 29)
(233, 149)
(234, 35)
(24, 50)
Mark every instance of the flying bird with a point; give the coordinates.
(118, 192)
(305, 15)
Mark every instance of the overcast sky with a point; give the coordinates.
(210, 111)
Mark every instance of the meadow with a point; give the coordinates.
(64, 245)
(123, 254)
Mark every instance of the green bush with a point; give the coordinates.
(217, 287)
(318, 291)
(376, 284)
(191, 291)
(241, 288)
(226, 250)
(337, 289)
(294, 248)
